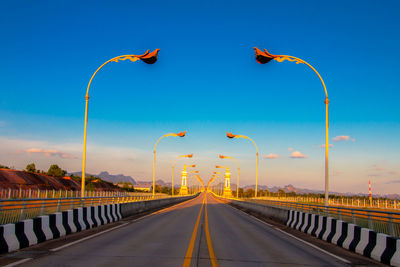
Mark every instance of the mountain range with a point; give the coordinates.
(109, 177)
(287, 188)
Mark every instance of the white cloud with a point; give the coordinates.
(48, 153)
(340, 138)
(271, 156)
(127, 160)
(298, 155)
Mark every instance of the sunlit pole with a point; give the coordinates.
(214, 178)
(238, 170)
(265, 57)
(181, 134)
(148, 58)
(173, 168)
(230, 135)
(216, 175)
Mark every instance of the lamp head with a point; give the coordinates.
(221, 157)
(263, 57)
(181, 134)
(190, 155)
(149, 58)
(230, 135)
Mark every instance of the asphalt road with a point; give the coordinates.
(199, 232)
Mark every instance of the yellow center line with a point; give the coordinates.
(213, 258)
(189, 252)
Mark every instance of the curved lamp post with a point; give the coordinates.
(216, 175)
(230, 135)
(149, 58)
(173, 168)
(238, 169)
(200, 180)
(181, 134)
(263, 57)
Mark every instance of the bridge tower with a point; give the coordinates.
(227, 186)
(184, 189)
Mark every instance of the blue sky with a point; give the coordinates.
(207, 82)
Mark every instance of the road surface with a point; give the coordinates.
(198, 232)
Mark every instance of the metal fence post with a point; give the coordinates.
(22, 216)
(370, 223)
(391, 226)
(58, 205)
(42, 209)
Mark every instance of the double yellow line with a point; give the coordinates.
(189, 252)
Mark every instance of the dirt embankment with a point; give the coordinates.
(20, 179)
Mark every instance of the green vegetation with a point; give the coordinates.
(31, 168)
(4, 167)
(56, 171)
(165, 190)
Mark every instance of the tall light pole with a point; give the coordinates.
(173, 168)
(265, 57)
(148, 58)
(181, 134)
(219, 173)
(238, 170)
(230, 135)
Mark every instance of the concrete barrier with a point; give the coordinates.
(381, 247)
(26, 233)
(277, 214)
(128, 209)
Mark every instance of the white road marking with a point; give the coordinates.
(299, 239)
(86, 238)
(17, 262)
(108, 230)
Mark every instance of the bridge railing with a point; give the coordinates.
(10, 193)
(377, 220)
(14, 210)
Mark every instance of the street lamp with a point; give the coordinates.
(198, 178)
(265, 57)
(216, 175)
(181, 134)
(149, 58)
(231, 135)
(173, 166)
(238, 169)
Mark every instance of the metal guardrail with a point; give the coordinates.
(10, 193)
(377, 220)
(353, 202)
(14, 210)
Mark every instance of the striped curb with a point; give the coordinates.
(380, 247)
(26, 233)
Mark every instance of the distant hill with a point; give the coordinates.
(290, 188)
(13, 179)
(110, 177)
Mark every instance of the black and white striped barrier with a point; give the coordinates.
(26, 233)
(381, 247)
